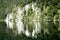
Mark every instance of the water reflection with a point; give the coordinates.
(48, 27)
(3, 27)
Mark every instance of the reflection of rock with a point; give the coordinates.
(32, 19)
(27, 33)
(9, 20)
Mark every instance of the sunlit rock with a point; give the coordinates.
(27, 7)
(9, 20)
(18, 18)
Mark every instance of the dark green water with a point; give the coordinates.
(7, 34)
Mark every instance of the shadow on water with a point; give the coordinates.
(2, 27)
(5, 33)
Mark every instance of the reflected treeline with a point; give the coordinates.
(49, 27)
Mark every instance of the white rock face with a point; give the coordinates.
(27, 7)
(8, 22)
(19, 23)
(19, 20)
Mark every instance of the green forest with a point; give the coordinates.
(29, 19)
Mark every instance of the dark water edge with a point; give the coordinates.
(7, 34)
